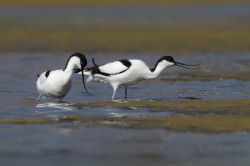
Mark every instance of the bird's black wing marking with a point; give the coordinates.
(96, 70)
(93, 70)
(125, 62)
(47, 73)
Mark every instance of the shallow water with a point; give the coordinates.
(72, 144)
(19, 73)
(113, 142)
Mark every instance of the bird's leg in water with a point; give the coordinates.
(126, 92)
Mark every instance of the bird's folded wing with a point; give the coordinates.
(113, 68)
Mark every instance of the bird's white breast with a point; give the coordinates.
(134, 74)
(56, 84)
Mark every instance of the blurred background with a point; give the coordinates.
(164, 26)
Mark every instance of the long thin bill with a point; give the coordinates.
(84, 82)
(183, 64)
(191, 67)
(186, 67)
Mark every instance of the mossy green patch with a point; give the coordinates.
(207, 124)
(226, 123)
(228, 106)
(164, 40)
(41, 120)
(232, 115)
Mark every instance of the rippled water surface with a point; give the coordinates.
(76, 143)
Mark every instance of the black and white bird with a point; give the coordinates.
(57, 83)
(128, 71)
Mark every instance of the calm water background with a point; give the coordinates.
(122, 16)
(80, 144)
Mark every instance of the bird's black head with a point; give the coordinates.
(171, 60)
(83, 60)
(81, 57)
(166, 58)
(83, 63)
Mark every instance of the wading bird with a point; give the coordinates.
(128, 71)
(57, 83)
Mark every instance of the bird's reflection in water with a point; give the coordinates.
(60, 106)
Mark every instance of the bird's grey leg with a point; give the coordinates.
(114, 91)
(126, 92)
(39, 98)
(60, 100)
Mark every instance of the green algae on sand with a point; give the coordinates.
(41, 120)
(130, 39)
(214, 124)
(203, 124)
(230, 115)
(228, 106)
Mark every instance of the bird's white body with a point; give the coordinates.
(57, 83)
(124, 73)
(136, 72)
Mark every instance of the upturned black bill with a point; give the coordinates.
(191, 67)
(84, 81)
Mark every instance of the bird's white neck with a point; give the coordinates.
(71, 64)
(157, 70)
